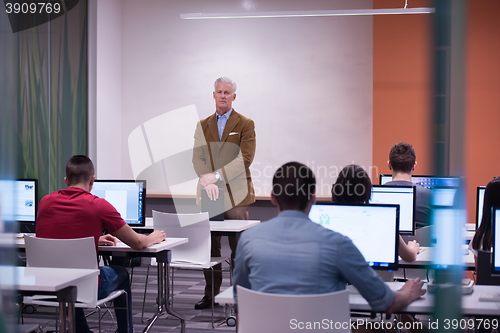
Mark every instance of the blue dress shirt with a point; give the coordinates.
(290, 254)
(221, 122)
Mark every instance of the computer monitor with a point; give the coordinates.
(26, 202)
(443, 188)
(429, 182)
(405, 197)
(443, 196)
(479, 204)
(495, 220)
(446, 238)
(19, 202)
(127, 196)
(384, 178)
(373, 228)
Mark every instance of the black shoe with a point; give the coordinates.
(205, 303)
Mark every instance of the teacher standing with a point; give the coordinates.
(223, 151)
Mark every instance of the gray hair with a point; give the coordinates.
(225, 80)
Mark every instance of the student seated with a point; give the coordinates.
(483, 239)
(76, 213)
(354, 186)
(402, 162)
(290, 254)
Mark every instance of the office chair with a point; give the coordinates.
(68, 253)
(193, 255)
(260, 312)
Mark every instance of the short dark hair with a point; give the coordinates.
(293, 186)
(483, 236)
(79, 169)
(402, 157)
(352, 186)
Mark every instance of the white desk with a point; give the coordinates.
(231, 227)
(60, 281)
(221, 227)
(162, 254)
(424, 260)
(471, 306)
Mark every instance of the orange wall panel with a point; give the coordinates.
(402, 77)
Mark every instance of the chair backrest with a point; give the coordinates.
(284, 313)
(194, 227)
(66, 253)
(484, 276)
(61, 253)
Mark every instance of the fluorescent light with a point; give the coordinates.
(308, 13)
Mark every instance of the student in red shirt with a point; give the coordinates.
(75, 213)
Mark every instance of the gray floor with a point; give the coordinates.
(188, 289)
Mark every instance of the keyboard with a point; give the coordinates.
(489, 297)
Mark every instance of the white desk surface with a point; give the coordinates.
(165, 245)
(220, 226)
(122, 247)
(470, 304)
(424, 258)
(43, 278)
(232, 225)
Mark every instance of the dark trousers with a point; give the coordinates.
(112, 278)
(236, 213)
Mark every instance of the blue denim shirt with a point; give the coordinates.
(290, 254)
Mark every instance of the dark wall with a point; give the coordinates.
(260, 210)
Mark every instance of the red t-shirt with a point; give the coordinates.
(76, 213)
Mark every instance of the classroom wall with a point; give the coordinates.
(304, 82)
(482, 96)
(108, 90)
(402, 85)
(402, 90)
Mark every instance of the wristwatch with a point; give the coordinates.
(217, 175)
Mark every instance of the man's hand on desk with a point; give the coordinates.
(212, 191)
(414, 246)
(157, 236)
(107, 240)
(411, 291)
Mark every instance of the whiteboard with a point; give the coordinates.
(306, 83)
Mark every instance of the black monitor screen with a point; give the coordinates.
(479, 204)
(363, 224)
(496, 241)
(127, 196)
(405, 197)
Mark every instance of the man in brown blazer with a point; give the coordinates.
(223, 151)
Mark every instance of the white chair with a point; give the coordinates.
(195, 254)
(68, 253)
(260, 312)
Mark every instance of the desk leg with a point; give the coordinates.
(67, 295)
(163, 299)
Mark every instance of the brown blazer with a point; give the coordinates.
(231, 156)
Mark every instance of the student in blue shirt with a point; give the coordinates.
(290, 254)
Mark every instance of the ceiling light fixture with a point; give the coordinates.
(309, 13)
